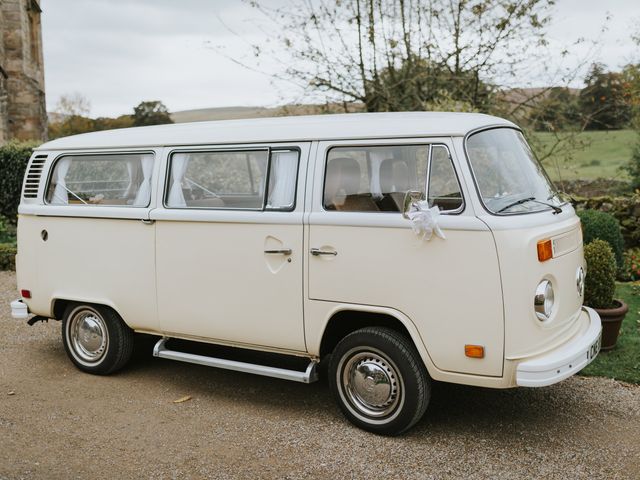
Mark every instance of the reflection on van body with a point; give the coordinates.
(296, 237)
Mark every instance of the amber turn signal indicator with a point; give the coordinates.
(474, 351)
(545, 250)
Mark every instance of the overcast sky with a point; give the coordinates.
(117, 53)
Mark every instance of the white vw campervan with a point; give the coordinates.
(399, 248)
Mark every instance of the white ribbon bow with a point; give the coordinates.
(424, 220)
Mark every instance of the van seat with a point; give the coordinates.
(342, 185)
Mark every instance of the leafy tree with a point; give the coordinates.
(151, 113)
(558, 110)
(402, 54)
(631, 88)
(633, 167)
(631, 74)
(604, 101)
(108, 123)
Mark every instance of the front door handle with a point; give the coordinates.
(316, 252)
(281, 251)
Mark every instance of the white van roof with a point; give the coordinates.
(284, 129)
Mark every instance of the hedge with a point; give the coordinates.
(7, 256)
(14, 157)
(625, 209)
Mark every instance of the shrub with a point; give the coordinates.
(7, 231)
(631, 265)
(600, 284)
(7, 256)
(14, 157)
(603, 226)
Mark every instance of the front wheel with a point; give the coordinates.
(379, 380)
(96, 339)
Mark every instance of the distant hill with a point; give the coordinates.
(530, 96)
(231, 113)
(222, 113)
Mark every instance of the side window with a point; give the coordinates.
(283, 177)
(107, 180)
(444, 189)
(232, 180)
(372, 178)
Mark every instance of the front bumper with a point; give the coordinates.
(19, 310)
(566, 360)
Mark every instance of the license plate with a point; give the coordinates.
(594, 349)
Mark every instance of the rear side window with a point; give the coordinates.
(233, 180)
(105, 179)
(376, 178)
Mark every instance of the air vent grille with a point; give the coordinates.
(32, 181)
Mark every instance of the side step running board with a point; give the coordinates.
(308, 376)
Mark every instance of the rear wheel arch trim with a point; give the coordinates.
(59, 305)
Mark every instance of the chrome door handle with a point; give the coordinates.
(282, 251)
(317, 251)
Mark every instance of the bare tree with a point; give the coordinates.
(73, 104)
(404, 54)
(395, 55)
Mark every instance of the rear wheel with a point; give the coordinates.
(96, 339)
(379, 380)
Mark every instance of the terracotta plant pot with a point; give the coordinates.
(611, 321)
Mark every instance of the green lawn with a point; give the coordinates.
(602, 156)
(623, 362)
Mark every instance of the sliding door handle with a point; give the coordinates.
(281, 251)
(316, 252)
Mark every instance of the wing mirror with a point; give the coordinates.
(410, 197)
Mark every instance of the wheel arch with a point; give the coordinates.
(59, 305)
(345, 319)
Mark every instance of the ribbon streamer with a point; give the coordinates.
(424, 220)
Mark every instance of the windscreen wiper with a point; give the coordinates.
(517, 202)
(556, 210)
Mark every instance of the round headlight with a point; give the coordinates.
(543, 301)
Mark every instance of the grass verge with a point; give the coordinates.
(607, 152)
(623, 362)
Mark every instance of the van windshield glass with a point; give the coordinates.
(509, 177)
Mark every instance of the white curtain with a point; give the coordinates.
(132, 170)
(179, 163)
(144, 192)
(60, 194)
(377, 156)
(284, 169)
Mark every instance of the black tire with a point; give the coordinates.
(379, 380)
(95, 338)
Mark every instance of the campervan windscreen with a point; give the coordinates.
(510, 179)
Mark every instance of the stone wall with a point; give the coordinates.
(25, 115)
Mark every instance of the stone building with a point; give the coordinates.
(23, 113)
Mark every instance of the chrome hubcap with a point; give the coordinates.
(88, 335)
(371, 384)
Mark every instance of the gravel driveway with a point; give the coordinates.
(61, 423)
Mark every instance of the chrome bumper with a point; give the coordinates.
(19, 310)
(564, 361)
